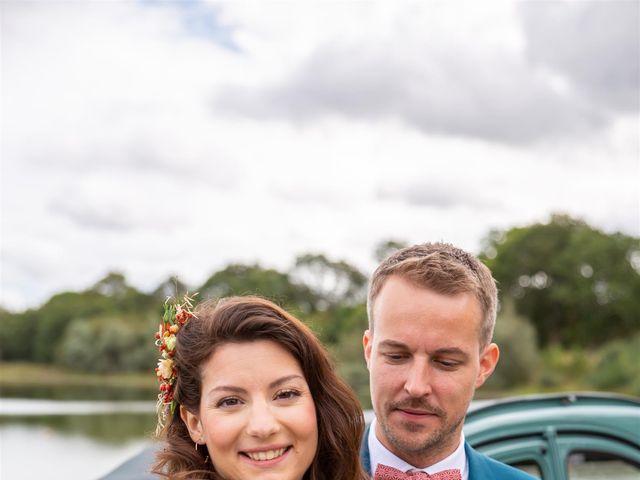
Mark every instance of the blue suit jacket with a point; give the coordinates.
(481, 467)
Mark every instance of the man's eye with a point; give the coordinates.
(287, 394)
(395, 357)
(447, 364)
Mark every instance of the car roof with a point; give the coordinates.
(606, 414)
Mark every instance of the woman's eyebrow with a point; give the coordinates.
(227, 388)
(285, 379)
(274, 384)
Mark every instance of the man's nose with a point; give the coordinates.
(262, 420)
(418, 380)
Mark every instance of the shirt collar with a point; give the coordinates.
(379, 454)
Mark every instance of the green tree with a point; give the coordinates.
(109, 295)
(53, 318)
(109, 343)
(519, 357)
(387, 247)
(618, 368)
(123, 297)
(349, 358)
(16, 335)
(332, 282)
(331, 325)
(171, 287)
(238, 279)
(578, 285)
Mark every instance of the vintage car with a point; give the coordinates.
(566, 436)
(561, 436)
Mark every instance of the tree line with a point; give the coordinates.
(569, 293)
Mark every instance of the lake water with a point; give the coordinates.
(70, 439)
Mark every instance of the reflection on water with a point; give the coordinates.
(57, 439)
(39, 451)
(75, 392)
(108, 422)
(29, 406)
(107, 429)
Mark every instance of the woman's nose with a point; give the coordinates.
(262, 421)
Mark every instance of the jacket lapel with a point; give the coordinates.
(478, 467)
(365, 458)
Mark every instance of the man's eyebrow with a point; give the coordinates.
(451, 351)
(393, 344)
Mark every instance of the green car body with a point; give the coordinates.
(561, 436)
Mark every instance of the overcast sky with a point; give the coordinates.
(174, 138)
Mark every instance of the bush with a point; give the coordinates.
(349, 358)
(563, 368)
(16, 335)
(519, 357)
(108, 344)
(618, 367)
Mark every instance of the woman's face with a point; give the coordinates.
(257, 416)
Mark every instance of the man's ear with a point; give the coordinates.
(488, 361)
(367, 343)
(194, 425)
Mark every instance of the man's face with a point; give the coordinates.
(424, 363)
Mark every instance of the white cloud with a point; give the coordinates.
(445, 72)
(592, 44)
(116, 154)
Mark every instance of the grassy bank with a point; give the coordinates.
(28, 375)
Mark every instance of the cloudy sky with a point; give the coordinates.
(160, 138)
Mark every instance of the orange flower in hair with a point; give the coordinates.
(175, 316)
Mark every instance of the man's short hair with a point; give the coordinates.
(445, 269)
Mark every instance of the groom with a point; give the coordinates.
(432, 310)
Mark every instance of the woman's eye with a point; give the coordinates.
(228, 402)
(287, 394)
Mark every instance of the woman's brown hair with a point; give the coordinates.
(245, 319)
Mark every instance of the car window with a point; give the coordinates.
(531, 467)
(587, 465)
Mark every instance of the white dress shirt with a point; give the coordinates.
(379, 454)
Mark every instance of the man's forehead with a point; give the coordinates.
(399, 293)
(404, 314)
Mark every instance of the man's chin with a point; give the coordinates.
(411, 444)
(410, 436)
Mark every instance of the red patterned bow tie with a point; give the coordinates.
(384, 472)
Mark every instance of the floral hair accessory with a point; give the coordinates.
(175, 316)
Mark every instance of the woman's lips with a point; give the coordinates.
(265, 457)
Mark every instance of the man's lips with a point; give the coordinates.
(411, 411)
(416, 409)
